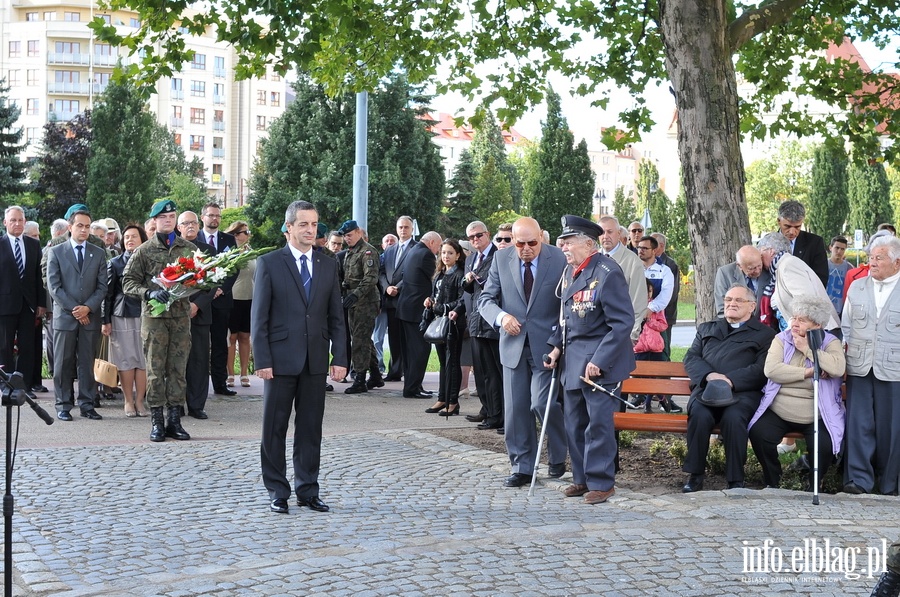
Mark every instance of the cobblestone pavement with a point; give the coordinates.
(412, 514)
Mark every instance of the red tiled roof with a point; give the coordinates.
(445, 127)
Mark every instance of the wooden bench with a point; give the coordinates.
(667, 379)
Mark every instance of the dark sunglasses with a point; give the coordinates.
(476, 235)
(503, 239)
(636, 230)
(530, 243)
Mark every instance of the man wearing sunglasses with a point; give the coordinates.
(520, 300)
(485, 339)
(635, 232)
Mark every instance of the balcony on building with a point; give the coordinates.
(176, 122)
(218, 152)
(53, 116)
(219, 99)
(218, 125)
(219, 73)
(58, 88)
(177, 94)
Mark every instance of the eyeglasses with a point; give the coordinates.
(503, 239)
(476, 235)
(530, 243)
(636, 230)
(739, 301)
(640, 248)
(247, 232)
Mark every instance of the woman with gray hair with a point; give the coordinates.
(787, 403)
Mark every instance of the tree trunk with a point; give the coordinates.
(699, 63)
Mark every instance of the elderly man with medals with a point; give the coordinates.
(593, 341)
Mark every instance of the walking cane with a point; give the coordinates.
(815, 338)
(550, 397)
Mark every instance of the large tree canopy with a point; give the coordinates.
(505, 51)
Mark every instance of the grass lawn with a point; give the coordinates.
(687, 311)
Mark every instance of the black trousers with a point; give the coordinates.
(451, 373)
(197, 372)
(732, 421)
(416, 358)
(395, 343)
(218, 343)
(766, 434)
(488, 378)
(18, 330)
(305, 394)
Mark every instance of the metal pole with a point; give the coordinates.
(551, 396)
(361, 168)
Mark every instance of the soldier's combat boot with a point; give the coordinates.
(157, 424)
(888, 585)
(173, 425)
(359, 384)
(375, 379)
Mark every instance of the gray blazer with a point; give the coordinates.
(69, 287)
(504, 292)
(731, 274)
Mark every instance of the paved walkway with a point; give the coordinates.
(412, 514)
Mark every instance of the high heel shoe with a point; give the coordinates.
(438, 406)
(245, 381)
(450, 413)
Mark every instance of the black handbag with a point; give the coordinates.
(438, 330)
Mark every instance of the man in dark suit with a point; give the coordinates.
(197, 373)
(809, 247)
(221, 305)
(391, 281)
(519, 299)
(77, 280)
(727, 357)
(296, 314)
(595, 342)
(22, 298)
(418, 270)
(485, 339)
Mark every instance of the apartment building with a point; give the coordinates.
(56, 69)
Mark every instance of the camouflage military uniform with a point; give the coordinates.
(167, 338)
(361, 267)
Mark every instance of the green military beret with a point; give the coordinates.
(166, 206)
(74, 208)
(321, 230)
(348, 226)
(284, 228)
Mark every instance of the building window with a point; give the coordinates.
(217, 174)
(34, 48)
(106, 19)
(260, 123)
(177, 138)
(67, 47)
(103, 50)
(218, 120)
(177, 121)
(176, 85)
(31, 16)
(197, 142)
(198, 88)
(219, 66)
(199, 62)
(261, 98)
(276, 77)
(275, 99)
(15, 49)
(176, 111)
(31, 107)
(12, 77)
(67, 107)
(183, 30)
(67, 76)
(198, 116)
(135, 22)
(32, 135)
(49, 15)
(73, 17)
(102, 79)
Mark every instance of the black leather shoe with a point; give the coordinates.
(424, 391)
(392, 378)
(501, 431)
(91, 414)
(198, 414)
(853, 488)
(418, 395)
(40, 389)
(556, 470)
(64, 416)
(225, 392)
(313, 503)
(694, 483)
(475, 418)
(485, 426)
(517, 480)
(736, 485)
(280, 505)
(329, 387)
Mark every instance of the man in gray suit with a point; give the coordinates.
(296, 314)
(748, 270)
(520, 300)
(611, 245)
(390, 280)
(76, 280)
